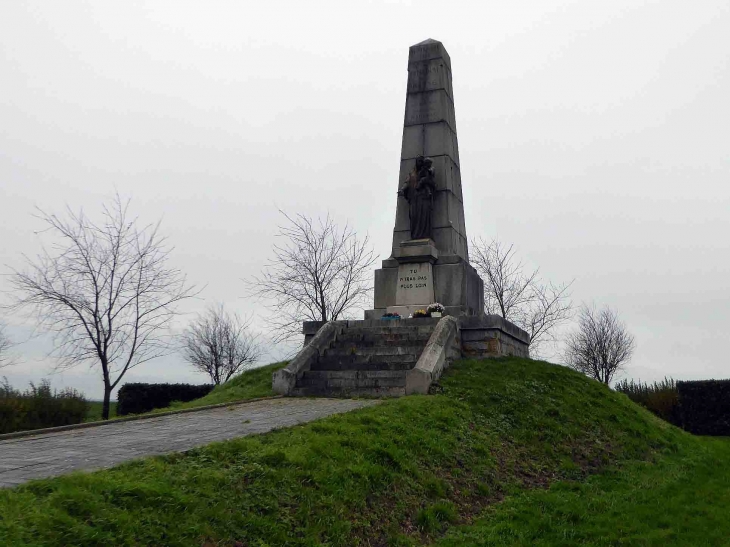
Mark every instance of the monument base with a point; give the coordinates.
(456, 285)
(406, 311)
(416, 250)
(480, 336)
(415, 284)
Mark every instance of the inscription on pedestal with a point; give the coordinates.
(415, 284)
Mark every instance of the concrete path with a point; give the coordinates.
(52, 454)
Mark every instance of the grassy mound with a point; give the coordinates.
(250, 384)
(503, 448)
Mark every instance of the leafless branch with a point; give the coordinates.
(104, 289)
(520, 295)
(5, 345)
(319, 273)
(220, 344)
(601, 345)
(507, 287)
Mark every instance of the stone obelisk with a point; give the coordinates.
(430, 257)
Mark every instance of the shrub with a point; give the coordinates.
(661, 398)
(704, 406)
(39, 407)
(137, 398)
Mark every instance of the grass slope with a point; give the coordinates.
(250, 384)
(93, 414)
(681, 498)
(509, 451)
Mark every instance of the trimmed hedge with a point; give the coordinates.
(138, 398)
(659, 397)
(704, 406)
(39, 407)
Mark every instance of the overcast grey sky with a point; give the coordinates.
(593, 135)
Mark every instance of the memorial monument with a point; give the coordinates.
(429, 263)
(429, 260)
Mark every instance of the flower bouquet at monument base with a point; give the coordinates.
(391, 316)
(420, 313)
(435, 309)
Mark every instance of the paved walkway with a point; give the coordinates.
(52, 454)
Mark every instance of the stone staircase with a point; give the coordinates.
(380, 358)
(369, 359)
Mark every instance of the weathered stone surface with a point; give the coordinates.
(430, 130)
(415, 284)
(495, 322)
(390, 358)
(377, 313)
(430, 107)
(429, 75)
(433, 140)
(435, 357)
(416, 250)
(367, 358)
(491, 336)
(285, 379)
(427, 50)
(459, 285)
(386, 282)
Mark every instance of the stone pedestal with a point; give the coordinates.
(414, 288)
(415, 284)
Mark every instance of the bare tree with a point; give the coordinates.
(319, 273)
(519, 294)
(220, 344)
(5, 345)
(601, 345)
(105, 290)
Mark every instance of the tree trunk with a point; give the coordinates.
(107, 396)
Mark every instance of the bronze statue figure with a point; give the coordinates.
(418, 190)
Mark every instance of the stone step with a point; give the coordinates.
(346, 350)
(352, 360)
(311, 391)
(384, 339)
(351, 383)
(370, 365)
(352, 379)
(390, 330)
(352, 374)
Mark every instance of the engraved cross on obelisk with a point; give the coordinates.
(434, 267)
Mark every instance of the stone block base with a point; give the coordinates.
(480, 336)
(492, 336)
(456, 285)
(375, 314)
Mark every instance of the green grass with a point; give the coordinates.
(93, 414)
(250, 384)
(675, 499)
(508, 452)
